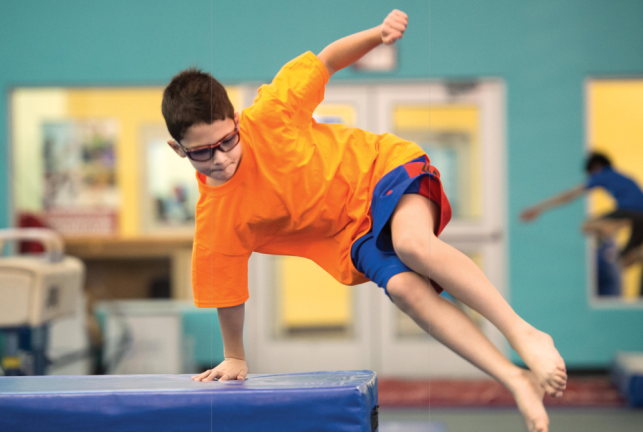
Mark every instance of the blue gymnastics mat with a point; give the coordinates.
(627, 375)
(320, 401)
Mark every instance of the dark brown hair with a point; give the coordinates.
(194, 97)
(597, 160)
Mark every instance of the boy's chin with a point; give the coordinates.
(219, 176)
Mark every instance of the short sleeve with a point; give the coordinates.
(594, 181)
(294, 93)
(218, 280)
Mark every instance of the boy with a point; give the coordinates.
(626, 193)
(362, 206)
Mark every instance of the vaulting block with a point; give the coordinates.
(627, 375)
(320, 401)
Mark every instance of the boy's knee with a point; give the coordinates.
(405, 289)
(406, 245)
(412, 248)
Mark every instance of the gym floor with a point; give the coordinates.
(508, 420)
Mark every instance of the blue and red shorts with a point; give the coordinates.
(373, 253)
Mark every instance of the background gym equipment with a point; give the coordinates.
(34, 290)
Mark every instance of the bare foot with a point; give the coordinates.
(632, 257)
(539, 354)
(529, 398)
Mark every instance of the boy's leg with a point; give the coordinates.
(417, 246)
(448, 324)
(604, 226)
(632, 251)
(607, 226)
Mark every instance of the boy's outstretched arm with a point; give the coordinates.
(346, 51)
(568, 196)
(234, 366)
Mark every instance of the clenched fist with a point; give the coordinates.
(394, 26)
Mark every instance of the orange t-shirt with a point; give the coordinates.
(302, 188)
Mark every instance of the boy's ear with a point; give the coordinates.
(236, 117)
(176, 148)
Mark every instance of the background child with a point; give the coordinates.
(629, 202)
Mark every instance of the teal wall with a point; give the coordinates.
(542, 49)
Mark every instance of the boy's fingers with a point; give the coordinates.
(401, 18)
(224, 377)
(396, 17)
(201, 375)
(393, 33)
(399, 14)
(397, 26)
(390, 40)
(213, 374)
(394, 36)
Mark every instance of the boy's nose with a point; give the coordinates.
(219, 157)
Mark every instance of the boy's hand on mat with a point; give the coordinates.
(229, 369)
(393, 27)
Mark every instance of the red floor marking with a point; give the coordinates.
(398, 393)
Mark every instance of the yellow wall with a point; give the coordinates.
(616, 128)
(311, 297)
(130, 107)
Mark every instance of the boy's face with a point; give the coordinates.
(223, 165)
(595, 169)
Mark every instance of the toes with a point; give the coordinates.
(542, 428)
(550, 390)
(560, 383)
(542, 425)
(539, 426)
(554, 389)
(554, 383)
